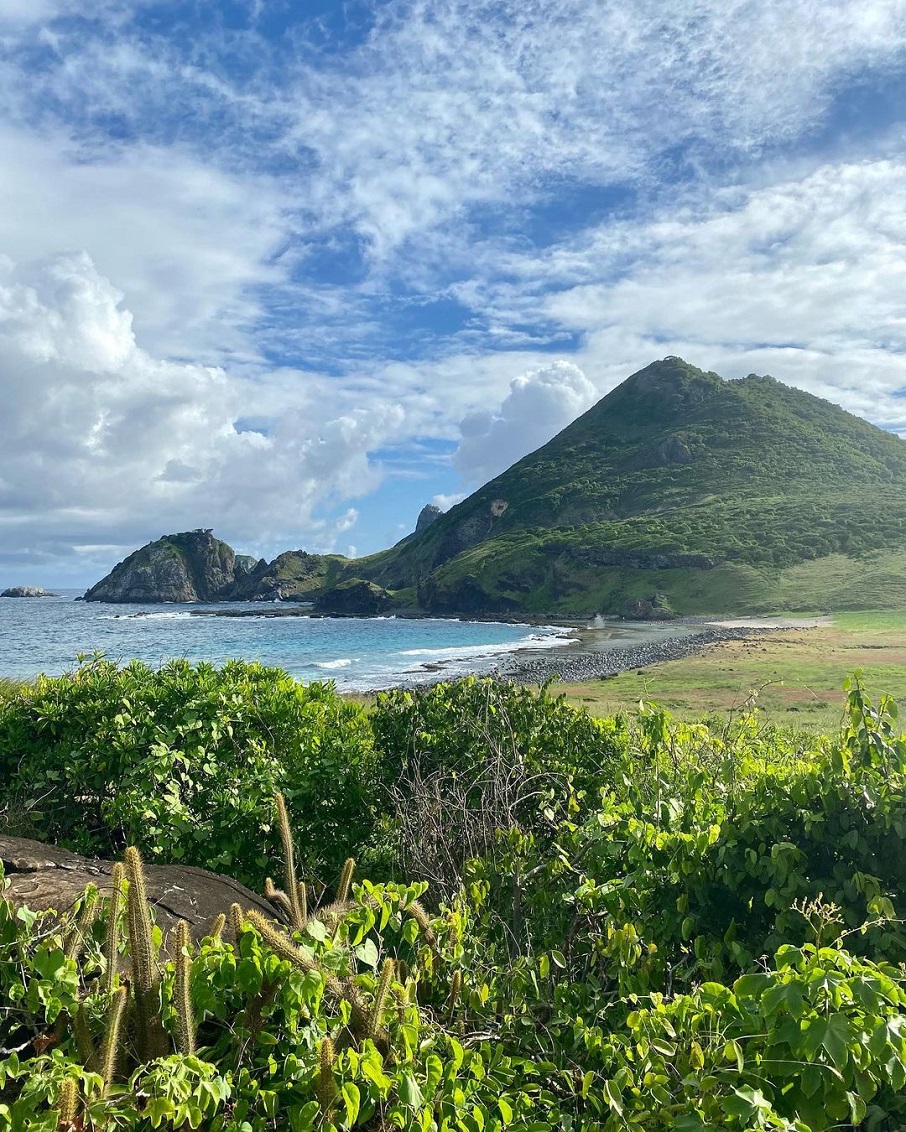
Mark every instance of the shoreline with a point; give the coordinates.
(581, 664)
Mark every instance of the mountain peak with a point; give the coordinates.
(675, 469)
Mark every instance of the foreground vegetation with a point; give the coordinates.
(570, 922)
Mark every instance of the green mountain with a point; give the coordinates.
(678, 491)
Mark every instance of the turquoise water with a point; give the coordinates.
(358, 654)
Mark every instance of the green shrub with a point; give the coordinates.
(460, 761)
(183, 762)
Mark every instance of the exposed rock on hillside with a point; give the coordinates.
(188, 567)
(26, 591)
(43, 876)
(429, 514)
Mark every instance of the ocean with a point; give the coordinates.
(357, 654)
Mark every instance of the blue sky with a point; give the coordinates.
(294, 270)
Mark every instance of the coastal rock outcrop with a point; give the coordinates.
(26, 591)
(294, 575)
(354, 598)
(188, 567)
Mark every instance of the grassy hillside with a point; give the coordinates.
(719, 495)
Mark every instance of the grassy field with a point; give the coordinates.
(797, 673)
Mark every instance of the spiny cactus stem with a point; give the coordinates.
(345, 882)
(289, 861)
(83, 924)
(302, 901)
(82, 1033)
(237, 919)
(112, 936)
(380, 996)
(141, 948)
(286, 949)
(280, 900)
(185, 1019)
(326, 1088)
(67, 1104)
(111, 1052)
(217, 927)
(145, 972)
(455, 992)
(421, 917)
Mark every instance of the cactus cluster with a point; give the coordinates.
(133, 1017)
(134, 1029)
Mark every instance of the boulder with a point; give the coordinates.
(43, 876)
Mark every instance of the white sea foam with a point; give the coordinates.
(341, 662)
(169, 615)
(468, 652)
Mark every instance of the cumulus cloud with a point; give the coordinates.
(539, 404)
(102, 444)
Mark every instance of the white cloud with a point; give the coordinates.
(102, 444)
(184, 241)
(446, 501)
(539, 404)
(803, 279)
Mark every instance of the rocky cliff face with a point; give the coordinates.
(188, 567)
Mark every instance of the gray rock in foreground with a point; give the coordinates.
(43, 876)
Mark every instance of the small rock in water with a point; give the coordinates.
(26, 591)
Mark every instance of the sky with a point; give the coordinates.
(293, 270)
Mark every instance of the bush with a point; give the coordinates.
(460, 761)
(184, 761)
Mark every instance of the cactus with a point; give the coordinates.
(112, 936)
(292, 889)
(388, 970)
(145, 972)
(185, 1019)
(67, 1104)
(421, 917)
(345, 882)
(113, 1037)
(217, 927)
(326, 1088)
(332, 914)
(280, 943)
(455, 992)
(302, 900)
(83, 1039)
(237, 919)
(279, 900)
(82, 926)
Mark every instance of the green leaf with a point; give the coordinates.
(410, 1093)
(367, 952)
(352, 1101)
